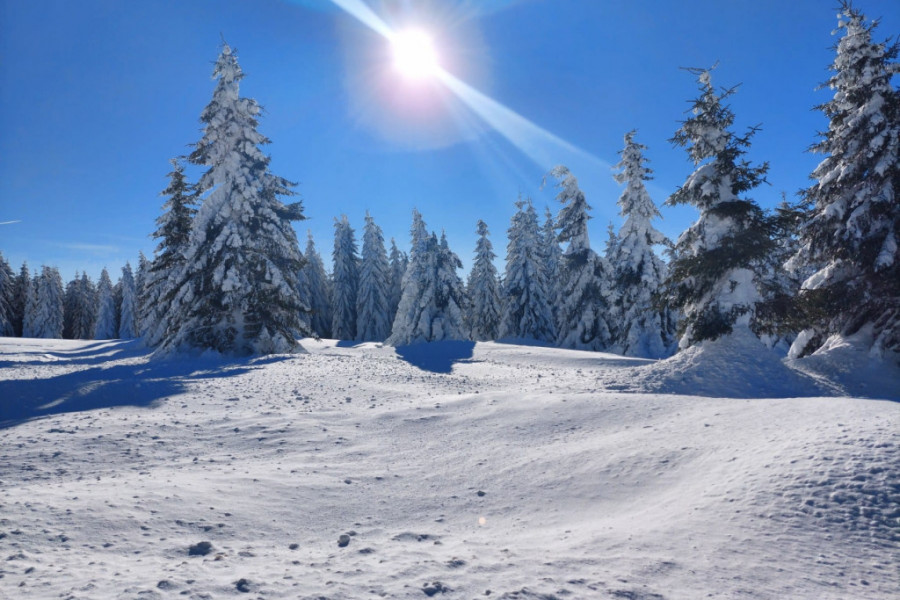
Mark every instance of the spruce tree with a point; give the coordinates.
(69, 307)
(851, 233)
(399, 263)
(127, 313)
(238, 290)
(526, 306)
(45, 315)
(485, 309)
(585, 294)
(105, 325)
(645, 327)
(21, 300)
(140, 286)
(7, 298)
(552, 262)
(318, 292)
(717, 274)
(373, 303)
(173, 230)
(85, 316)
(345, 281)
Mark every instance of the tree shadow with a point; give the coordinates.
(143, 384)
(94, 353)
(437, 357)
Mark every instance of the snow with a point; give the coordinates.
(464, 467)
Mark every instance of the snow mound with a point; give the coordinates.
(734, 366)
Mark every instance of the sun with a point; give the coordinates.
(414, 54)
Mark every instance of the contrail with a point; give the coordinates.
(10, 222)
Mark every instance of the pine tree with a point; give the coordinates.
(852, 230)
(526, 307)
(7, 298)
(85, 317)
(70, 300)
(238, 291)
(372, 302)
(21, 300)
(585, 294)
(127, 317)
(485, 309)
(105, 325)
(140, 285)
(645, 327)
(174, 234)
(345, 281)
(552, 262)
(717, 274)
(399, 264)
(318, 292)
(45, 313)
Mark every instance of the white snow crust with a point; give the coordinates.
(454, 469)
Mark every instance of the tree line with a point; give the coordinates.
(228, 273)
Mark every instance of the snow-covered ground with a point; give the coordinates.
(454, 470)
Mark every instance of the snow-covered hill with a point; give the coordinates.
(453, 470)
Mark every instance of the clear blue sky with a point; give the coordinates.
(97, 95)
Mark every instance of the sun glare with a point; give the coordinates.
(414, 54)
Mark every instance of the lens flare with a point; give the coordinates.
(414, 54)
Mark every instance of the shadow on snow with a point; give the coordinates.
(437, 357)
(143, 384)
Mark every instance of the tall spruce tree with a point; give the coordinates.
(105, 325)
(586, 293)
(552, 262)
(373, 303)
(485, 309)
(399, 263)
(318, 292)
(69, 307)
(645, 327)
(21, 299)
(45, 315)
(344, 280)
(717, 274)
(127, 309)
(851, 233)
(526, 305)
(140, 286)
(7, 298)
(238, 290)
(173, 230)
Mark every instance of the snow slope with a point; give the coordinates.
(454, 470)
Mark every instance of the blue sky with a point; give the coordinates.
(96, 96)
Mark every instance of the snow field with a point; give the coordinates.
(501, 468)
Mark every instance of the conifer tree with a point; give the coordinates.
(345, 281)
(399, 263)
(373, 303)
(105, 325)
(433, 301)
(69, 307)
(485, 309)
(238, 290)
(21, 299)
(140, 287)
(173, 230)
(7, 298)
(45, 313)
(526, 308)
(644, 327)
(552, 262)
(851, 232)
(318, 293)
(127, 316)
(85, 316)
(717, 275)
(586, 293)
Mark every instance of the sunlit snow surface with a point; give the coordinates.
(454, 469)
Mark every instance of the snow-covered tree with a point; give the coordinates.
(552, 262)
(373, 303)
(105, 325)
(644, 327)
(70, 300)
(526, 306)
(717, 274)
(586, 293)
(238, 290)
(140, 287)
(399, 263)
(317, 290)
(45, 312)
(433, 301)
(173, 230)
(344, 281)
(85, 312)
(21, 299)
(485, 308)
(127, 312)
(851, 233)
(7, 298)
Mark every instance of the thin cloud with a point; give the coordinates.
(96, 248)
(10, 222)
